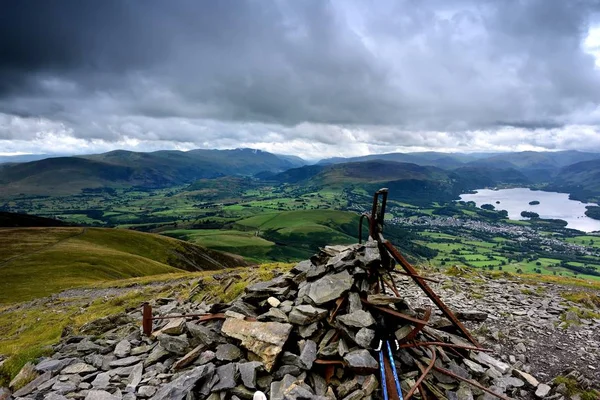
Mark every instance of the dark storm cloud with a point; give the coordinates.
(394, 70)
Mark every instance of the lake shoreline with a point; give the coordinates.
(552, 206)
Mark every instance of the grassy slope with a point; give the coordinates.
(36, 262)
(285, 235)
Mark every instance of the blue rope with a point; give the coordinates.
(393, 363)
(382, 371)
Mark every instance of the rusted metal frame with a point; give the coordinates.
(469, 381)
(147, 318)
(391, 286)
(395, 313)
(442, 344)
(424, 383)
(329, 362)
(439, 339)
(413, 334)
(200, 316)
(423, 375)
(428, 291)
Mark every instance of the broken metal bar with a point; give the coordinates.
(423, 375)
(443, 344)
(413, 334)
(428, 291)
(396, 313)
(469, 381)
(147, 318)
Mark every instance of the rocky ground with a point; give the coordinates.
(307, 334)
(529, 324)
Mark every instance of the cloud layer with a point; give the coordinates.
(314, 78)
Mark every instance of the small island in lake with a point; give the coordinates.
(529, 214)
(534, 203)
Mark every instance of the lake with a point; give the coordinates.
(552, 205)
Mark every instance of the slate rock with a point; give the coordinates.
(356, 395)
(87, 346)
(135, 377)
(228, 352)
(174, 344)
(31, 386)
(189, 358)
(307, 331)
(248, 373)
(473, 366)
(4, 393)
(492, 362)
(330, 287)
(530, 381)
(264, 339)
(308, 355)
(125, 362)
(122, 349)
(180, 387)
(509, 382)
(64, 387)
(306, 314)
(146, 391)
(78, 368)
(347, 387)
(361, 360)
(100, 395)
(383, 299)
(158, 353)
(175, 326)
(204, 334)
(101, 381)
(273, 302)
(274, 314)
(357, 319)
(51, 396)
(464, 393)
(227, 377)
(471, 315)
(316, 272)
(542, 390)
(52, 365)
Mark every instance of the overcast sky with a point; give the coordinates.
(311, 78)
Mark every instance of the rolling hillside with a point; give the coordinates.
(14, 220)
(69, 175)
(281, 236)
(581, 180)
(36, 262)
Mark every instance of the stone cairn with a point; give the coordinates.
(310, 333)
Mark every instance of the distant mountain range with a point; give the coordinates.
(120, 168)
(425, 174)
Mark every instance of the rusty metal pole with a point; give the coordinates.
(147, 319)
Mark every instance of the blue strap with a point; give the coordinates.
(393, 364)
(382, 371)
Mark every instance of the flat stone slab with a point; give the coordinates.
(264, 339)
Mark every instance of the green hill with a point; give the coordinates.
(36, 262)
(24, 220)
(581, 180)
(281, 236)
(120, 168)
